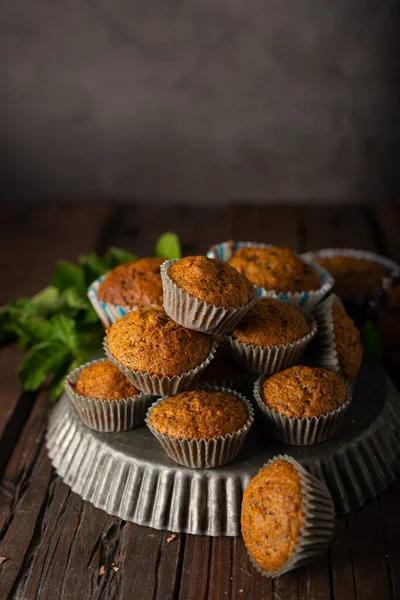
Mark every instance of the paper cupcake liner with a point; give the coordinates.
(358, 307)
(107, 313)
(205, 454)
(107, 415)
(196, 314)
(261, 359)
(323, 348)
(161, 386)
(304, 431)
(305, 299)
(318, 522)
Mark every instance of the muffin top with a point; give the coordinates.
(271, 322)
(221, 368)
(133, 284)
(272, 514)
(212, 280)
(199, 414)
(348, 344)
(105, 381)
(148, 340)
(304, 392)
(275, 268)
(353, 276)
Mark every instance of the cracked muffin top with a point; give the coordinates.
(273, 514)
(271, 322)
(353, 276)
(348, 344)
(148, 340)
(105, 381)
(275, 268)
(302, 391)
(212, 280)
(199, 414)
(133, 284)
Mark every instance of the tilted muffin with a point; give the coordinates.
(303, 391)
(287, 517)
(104, 380)
(302, 405)
(272, 335)
(205, 294)
(133, 284)
(155, 353)
(353, 276)
(212, 280)
(104, 398)
(348, 346)
(201, 428)
(275, 268)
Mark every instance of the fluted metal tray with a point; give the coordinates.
(129, 475)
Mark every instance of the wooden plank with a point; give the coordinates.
(278, 225)
(194, 584)
(390, 518)
(220, 577)
(247, 583)
(341, 561)
(388, 218)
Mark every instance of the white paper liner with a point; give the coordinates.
(262, 359)
(304, 431)
(107, 415)
(318, 524)
(108, 313)
(161, 386)
(205, 454)
(306, 299)
(188, 311)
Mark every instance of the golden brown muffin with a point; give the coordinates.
(270, 323)
(353, 276)
(199, 414)
(212, 280)
(222, 368)
(348, 344)
(275, 268)
(105, 381)
(133, 284)
(304, 392)
(148, 340)
(273, 514)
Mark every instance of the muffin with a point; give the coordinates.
(133, 284)
(104, 398)
(353, 276)
(287, 517)
(276, 269)
(155, 353)
(205, 294)
(303, 405)
(201, 428)
(273, 334)
(348, 346)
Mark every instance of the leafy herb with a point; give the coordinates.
(372, 342)
(59, 325)
(168, 246)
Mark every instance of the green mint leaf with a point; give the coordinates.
(68, 275)
(32, 327)
(117, 256)
(89, 317)
(168, 246)
(93, 267)
(64, 330)
(43, 359)
(57, 388)
(74, 299)
(373, 348)
(48, 301)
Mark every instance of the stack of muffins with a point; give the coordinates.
(184, 337)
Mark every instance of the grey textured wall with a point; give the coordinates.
(199, 98)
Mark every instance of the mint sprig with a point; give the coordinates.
(59, 325)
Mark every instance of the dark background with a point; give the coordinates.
(199, 100)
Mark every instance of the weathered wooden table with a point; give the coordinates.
(55, 543)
